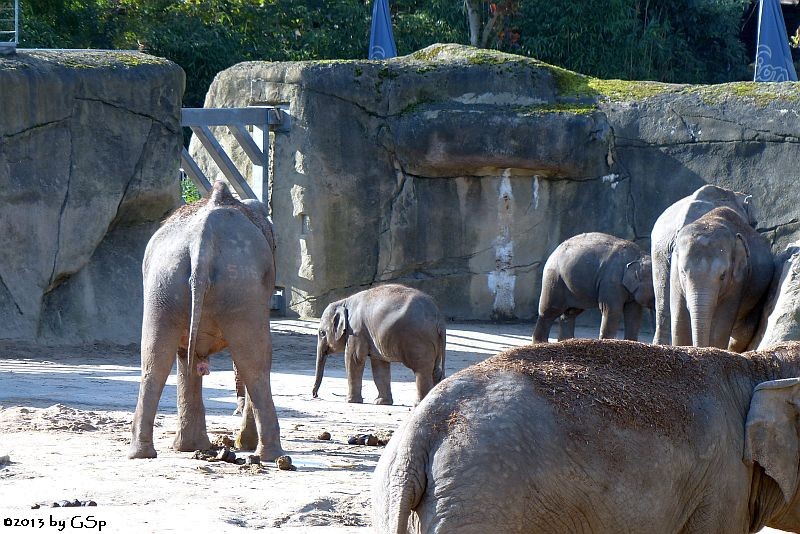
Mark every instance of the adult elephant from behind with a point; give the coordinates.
(721, 270)
(209, 274)
(665, 230)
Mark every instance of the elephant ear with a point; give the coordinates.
(632, 279)
(750, 210)
(771, 432)
(340, 322)
(740, 256)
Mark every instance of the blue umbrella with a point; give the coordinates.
(773, 57)
(381, 40)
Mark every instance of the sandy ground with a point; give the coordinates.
(64, 423)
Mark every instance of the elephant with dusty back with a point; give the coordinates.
(209, 274)
(665, 231)
(595, 270)
(721, 270)
(600, 436)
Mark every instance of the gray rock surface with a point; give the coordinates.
(457, 170)
(89, 152)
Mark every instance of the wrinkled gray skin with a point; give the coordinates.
(388, 323)
(665, 230)
(511, 463)
(595, 270)
(208, 280)
(780, 319)
(721, 270)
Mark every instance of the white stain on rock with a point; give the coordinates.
(502, 280)
(299, 162)
(612, 179)
(535, 192)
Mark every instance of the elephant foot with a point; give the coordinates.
(269, 453)
(141, 450)
(355, 400)
(239, 406)
(247, 439)
(384, 401)
(185, 443)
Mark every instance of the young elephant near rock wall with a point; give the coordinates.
(388, 323)
(600, 436)
(209, 274)
(591, 270)
(721, 270)
(665, 230)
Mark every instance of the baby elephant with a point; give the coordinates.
(389, 323)
(591, 270)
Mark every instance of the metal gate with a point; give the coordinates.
(262, 120)
(9, 26)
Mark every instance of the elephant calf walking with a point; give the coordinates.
(209, 274)
(591, 270)
(388, 323)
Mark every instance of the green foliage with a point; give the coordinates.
(676, 41)
(189, 191)
(688, 41)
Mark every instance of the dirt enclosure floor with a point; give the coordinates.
(65, 419)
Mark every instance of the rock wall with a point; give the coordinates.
(458, 170)
(89, 152)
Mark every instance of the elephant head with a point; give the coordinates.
(332, 337)
(712, 267)
(771, 441)
(638, 280)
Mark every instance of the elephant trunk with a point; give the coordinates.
(700, 312)
(322, 356)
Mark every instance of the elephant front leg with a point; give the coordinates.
(632, 316)
(382, 376)
(192, 434)
(609, 325)
(247, 438)
(566, 324)
(251, 349)
(354, 363)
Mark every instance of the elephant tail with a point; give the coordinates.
(198, 283)
(200, 256)
(399, 481)
(438, 370)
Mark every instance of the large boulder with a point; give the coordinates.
(89, 152)
(458, 170)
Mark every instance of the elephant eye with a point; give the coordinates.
(722, 276)
(322, 333)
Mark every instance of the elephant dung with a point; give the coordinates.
(284, 463)
(222, 441)
(324, 436)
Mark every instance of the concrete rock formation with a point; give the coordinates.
(89, 152)
(458, 170)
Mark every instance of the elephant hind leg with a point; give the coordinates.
(382, 376)
(541, 332)
(159, 347)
